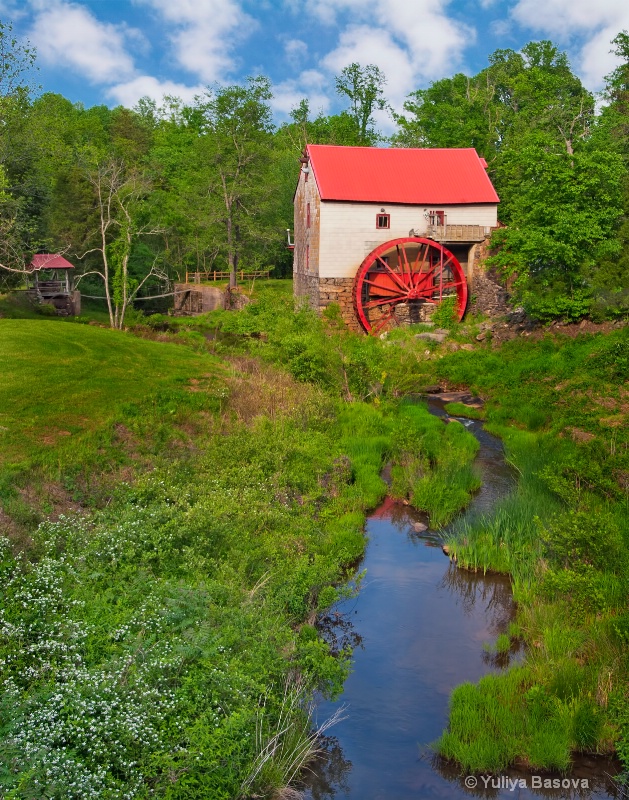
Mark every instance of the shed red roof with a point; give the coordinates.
(401, 175)
(49, 261)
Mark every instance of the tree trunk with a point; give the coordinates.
(231, 255)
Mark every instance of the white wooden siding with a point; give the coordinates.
(348, 230)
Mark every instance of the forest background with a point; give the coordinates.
(137, 197)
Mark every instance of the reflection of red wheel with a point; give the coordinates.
(399, 277)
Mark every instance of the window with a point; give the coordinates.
(308, 215)
(383, 221)
(307, 258)
(437, 217)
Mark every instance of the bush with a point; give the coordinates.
(446, 314)
(547, 305)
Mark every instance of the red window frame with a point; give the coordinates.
(437, 217)
(307, 215)
(383, 221)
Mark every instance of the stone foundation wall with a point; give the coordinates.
(341, 291)
(194, 298)
(307, 287)
(488, 295)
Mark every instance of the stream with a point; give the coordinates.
(418, 625)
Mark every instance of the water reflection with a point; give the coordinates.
(419, 627)
(590, 777)
(330, 771)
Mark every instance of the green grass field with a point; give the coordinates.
(61, 383)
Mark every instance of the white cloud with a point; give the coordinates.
(68, 35)
(412, 43)
(564, 20)
(310, 84)
(204, 34)
(367, 45)
(596, 60)
(295, 51)
(128, 94)
(561, 17)
(327, 11)
(12, 10)
(502, 28)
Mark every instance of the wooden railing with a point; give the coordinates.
(218, 275)
(48, 288)
(458, 233)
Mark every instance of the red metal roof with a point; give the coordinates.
(401, 175)
(49, 261)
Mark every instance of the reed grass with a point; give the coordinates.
(433, 463)
(286, 744)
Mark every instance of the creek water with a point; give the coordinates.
(418, 625)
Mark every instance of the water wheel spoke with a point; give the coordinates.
(425, 272)
(382, 288)
(426, 292)
(394, 275)
(382, 322)
(424, 277)
(389, 300)
(403, 261)
(417, 267)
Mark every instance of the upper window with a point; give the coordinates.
(308, 215)
(437, 217)
(383, 221)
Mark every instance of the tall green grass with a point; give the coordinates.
(433, 463)
(506, 717)
(562, 535)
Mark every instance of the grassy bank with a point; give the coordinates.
(561, 407)
(195, 506)
(173, 520)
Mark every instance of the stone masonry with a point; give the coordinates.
(341, 291)
(488, 295)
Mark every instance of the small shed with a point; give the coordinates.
(388, 233)
(50, 279)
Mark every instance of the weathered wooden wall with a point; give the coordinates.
(307, 240)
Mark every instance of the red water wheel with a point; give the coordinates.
(399, 280)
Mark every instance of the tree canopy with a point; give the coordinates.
(209, 184)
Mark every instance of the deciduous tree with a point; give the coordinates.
(120, 194)
(364, 87)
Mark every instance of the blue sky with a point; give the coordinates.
(115, 51)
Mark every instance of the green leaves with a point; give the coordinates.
(554, 166)
(363, 86)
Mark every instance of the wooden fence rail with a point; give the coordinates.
(218, 275)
